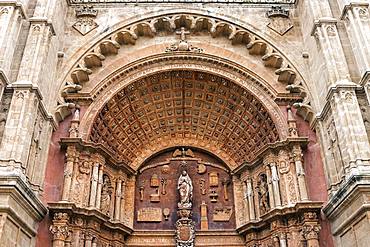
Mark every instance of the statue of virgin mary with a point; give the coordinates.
(185, 188)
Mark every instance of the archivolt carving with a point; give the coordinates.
(169, 23)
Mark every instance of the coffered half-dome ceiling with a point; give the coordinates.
(181, 105)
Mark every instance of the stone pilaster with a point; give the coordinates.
(252, 211)
(356, 18)
(117, 206)
(353, 141)
(14, 148)
(266, 162)
(241, 200)
(100, 185)
(68, 172)
(289, 191)
(123, 197)
(12, 15)
(298, 160)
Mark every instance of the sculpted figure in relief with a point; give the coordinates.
(263, 194)
(106, 195)
(81, 188)
(185, 188)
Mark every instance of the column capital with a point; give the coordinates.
(60, 228)
(98, 158)
(297, 153)
(311, 231)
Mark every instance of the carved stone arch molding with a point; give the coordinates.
(137, 107)
(130, 77)
(87, 64)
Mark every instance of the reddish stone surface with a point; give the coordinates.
(53, 178)
(315, 176)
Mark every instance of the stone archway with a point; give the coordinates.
(167, 98)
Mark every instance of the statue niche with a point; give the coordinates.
(263, 194)
(106, 195)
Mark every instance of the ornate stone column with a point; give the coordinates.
(310, 230)
(78, 224)
(122, 209)
(100, 184)
(252, 213)
(246, 202)
(88, 239)
(297, 156)
(269, 183)
(117, 207)
(94, 181)
(275, 184)
(60, 229)
(68, 172)
(283, 240)
(113, 197)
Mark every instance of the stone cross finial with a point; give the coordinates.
(182, 33)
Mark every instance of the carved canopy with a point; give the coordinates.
(180, 105)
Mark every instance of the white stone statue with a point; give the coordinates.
(185, 188)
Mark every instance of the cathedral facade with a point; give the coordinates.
(163, 123)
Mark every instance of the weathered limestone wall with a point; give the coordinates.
(30, 38)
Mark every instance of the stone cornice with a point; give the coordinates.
(260, 3)
(331, 91)
(45, 21)
(275, 147)
(17, 5)
(324, 20)
(36, 90)
(353, 188)
(64, 142)
(74, 211)
(278, 213)
(18, 190)
(350, 6)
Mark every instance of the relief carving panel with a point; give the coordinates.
(162, 214)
